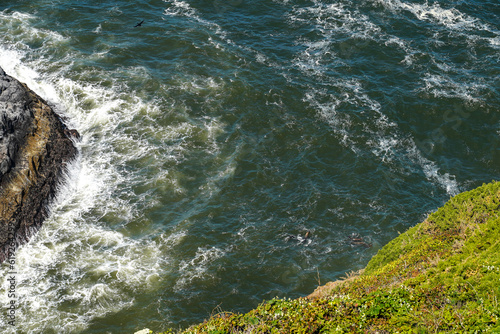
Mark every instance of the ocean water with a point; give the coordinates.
(218, 133)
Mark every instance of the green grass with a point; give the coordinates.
(442, 275)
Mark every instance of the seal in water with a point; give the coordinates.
(357, 240)
(306, 239)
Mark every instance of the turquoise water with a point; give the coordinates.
(217, 134)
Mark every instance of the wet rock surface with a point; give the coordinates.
(35, 147)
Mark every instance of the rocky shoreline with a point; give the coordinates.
(35, 148)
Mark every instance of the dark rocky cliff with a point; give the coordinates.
(35, 148)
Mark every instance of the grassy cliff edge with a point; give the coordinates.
(442, 275)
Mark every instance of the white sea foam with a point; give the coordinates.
(77, 264)
(385, 139)
(183, 9)
(452, 18)
(330, 20)
(495, 41)
(317, 60)
(336, 17)
(355, 95)
(179, 8)
(409, 155)
(98, 30)
(11, 63)
(198, 267)
(328, 112)
(385, 147)
(432, 171)
(446, 86)
(78, 267)
(24, 31)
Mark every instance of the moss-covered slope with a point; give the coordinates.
(442, 275)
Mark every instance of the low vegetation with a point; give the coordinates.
(442, 275)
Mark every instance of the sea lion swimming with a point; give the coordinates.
(357, 240)
(300, 239)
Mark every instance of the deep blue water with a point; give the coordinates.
(218, 133)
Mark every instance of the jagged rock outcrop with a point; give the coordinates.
(35, 148)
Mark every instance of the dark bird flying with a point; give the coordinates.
(139, 24)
